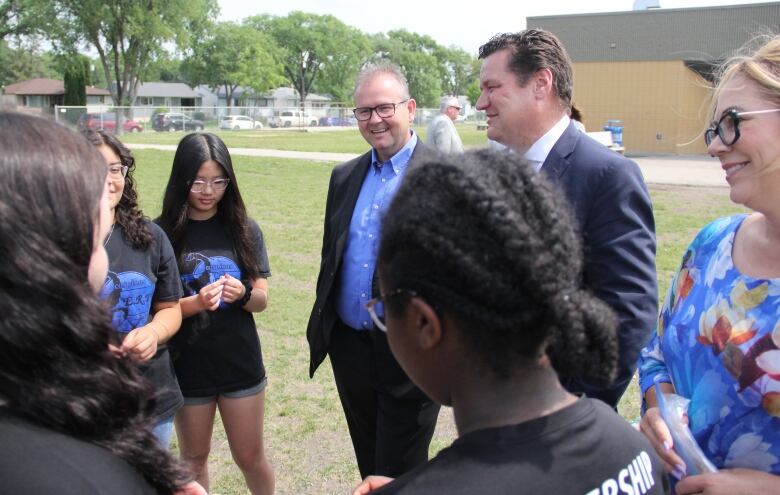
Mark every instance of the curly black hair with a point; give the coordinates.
(56, 369)
(485, 238)
(128, 215)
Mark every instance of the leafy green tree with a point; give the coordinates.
(76, 79)
(164, 68)
(232, 56)
(23, 17)
(459, 70)
(316, 51)
(127, 33)
(414, 53)
(24, 61)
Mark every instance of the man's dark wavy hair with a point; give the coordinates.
(55, 366)
(486, 239)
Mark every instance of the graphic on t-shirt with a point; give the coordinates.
(199, 270)
(130, 296)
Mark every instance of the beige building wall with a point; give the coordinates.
(663, 105)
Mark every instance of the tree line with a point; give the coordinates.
(181, 40)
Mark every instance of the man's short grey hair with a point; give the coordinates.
(449, 101)
(369, 71)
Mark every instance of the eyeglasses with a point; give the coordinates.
(384, 111)
(198, 186)
(371, 305)
(727, 128)
(117, 170)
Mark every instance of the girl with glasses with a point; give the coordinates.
(224, 270)
(483, 310)
(718, 336)
(142, 286)
(75, 418)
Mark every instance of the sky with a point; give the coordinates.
(466, 24)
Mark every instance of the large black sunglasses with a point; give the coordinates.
(727, 128)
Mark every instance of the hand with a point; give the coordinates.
(233, 289)
(731, 482)
(211, 295)
(192, 488)
(141, 343)
(657, 432)
(370, 484)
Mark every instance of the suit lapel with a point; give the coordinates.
(558, 161)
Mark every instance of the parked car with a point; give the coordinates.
(338, 121)
(237, 122)
(292, 118)
(175, 122)
(107, 121)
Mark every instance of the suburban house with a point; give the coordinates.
(167, 94)
(653, 69)
(40, 95)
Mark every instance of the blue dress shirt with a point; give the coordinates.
(359, 263)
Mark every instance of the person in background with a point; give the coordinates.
(484, 311)
(143, 284)
(576, 117)
(718, 338)
(442, 134)
(526, 83)
(224, 269)
(391, 422)
(75, 417)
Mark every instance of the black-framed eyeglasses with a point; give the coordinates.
(117, 171)
(727, 128)
(198, 186)
(384, 111)
(371, 306)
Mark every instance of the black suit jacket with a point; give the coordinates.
(615, 215)
(343, 191)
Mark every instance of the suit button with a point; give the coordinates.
(319, 311)
(331, 274)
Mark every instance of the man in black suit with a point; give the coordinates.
(391, 422)
(526, 82)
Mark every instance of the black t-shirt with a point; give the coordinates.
(136, 279)
(216, 351)
(583, 449)
(37, 461)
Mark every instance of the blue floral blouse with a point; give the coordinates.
(718, 343)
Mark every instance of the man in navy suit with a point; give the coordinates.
(391, 422)
(526, 83)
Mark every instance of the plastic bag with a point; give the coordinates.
(673, 409)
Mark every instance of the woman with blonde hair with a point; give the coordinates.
(718, 336)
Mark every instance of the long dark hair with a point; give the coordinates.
(128, 215)
(485, 238)
(55, 366)
(194, 150)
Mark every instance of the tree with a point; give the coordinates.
(163, 68)
(414, 53)
(233, 56)
(315, 49)
(23, 17)
(127, 33)
(24, 61)
(76, 79)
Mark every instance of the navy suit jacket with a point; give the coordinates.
(343, 191)
(615, 216)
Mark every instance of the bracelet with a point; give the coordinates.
(247, 294)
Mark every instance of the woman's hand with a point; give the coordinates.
(141, 343)
(233, 289)
(210, 295)
(370, 484)
(657, 432)
(731, 482)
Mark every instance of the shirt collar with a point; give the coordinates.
(538, 152)
(399, 160)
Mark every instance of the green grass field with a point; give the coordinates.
(306, 436)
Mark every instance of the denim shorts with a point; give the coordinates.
(236, 394)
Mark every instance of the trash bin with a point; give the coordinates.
(616, 128)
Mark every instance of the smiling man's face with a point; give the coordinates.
(386, 135)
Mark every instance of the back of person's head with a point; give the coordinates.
(761, 65)
(488, 241)
(532, 50)
(383, 68)
(575, 113)
(194, 150)
(55, 366)
(128, 215)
